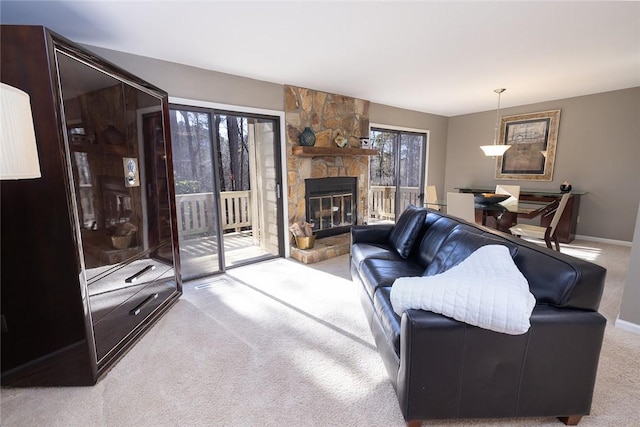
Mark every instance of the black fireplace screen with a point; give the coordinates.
(331, 211)
(331, 204)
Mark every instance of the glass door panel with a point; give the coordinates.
(382, 180)
(105, 148)
(410, 171)
(227, 189)
(248, 194)
(396, 173)
(197, 210)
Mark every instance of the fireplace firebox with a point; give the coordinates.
(331, 204)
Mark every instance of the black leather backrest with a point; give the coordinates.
(459, 245)
(404, 233)
(437, 229)
(559, 279)
(554, 278)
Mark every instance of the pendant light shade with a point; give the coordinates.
(18, 151)
(496, 150)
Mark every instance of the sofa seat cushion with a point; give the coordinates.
(362, 251)
(485, 290)
(404, 233)
(383, 272)
(389, 320)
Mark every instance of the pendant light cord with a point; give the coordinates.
(495, 131)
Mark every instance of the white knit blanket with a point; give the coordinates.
(485, 290)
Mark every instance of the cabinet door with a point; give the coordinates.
(116, 160)
(102, 146)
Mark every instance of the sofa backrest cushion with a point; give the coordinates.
(407, 227)
(458, 245)
(438, 228)
(554, 278)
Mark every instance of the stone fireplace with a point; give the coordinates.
(329, 116)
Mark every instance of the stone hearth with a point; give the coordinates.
(325, 248)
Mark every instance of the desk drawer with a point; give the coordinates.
(123, 319)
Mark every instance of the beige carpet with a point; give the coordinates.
(284, 344)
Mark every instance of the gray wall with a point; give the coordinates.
(630, 308)
(598, 148)
(598, 151)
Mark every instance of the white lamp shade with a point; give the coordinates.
(494, 150)
(18, 151)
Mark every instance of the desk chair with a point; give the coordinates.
(546, 233)
(432, 197)
(462, 206)
(512, 190)
(508, 219)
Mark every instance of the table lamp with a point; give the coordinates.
(18, 150)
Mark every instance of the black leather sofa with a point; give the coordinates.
(445, 369)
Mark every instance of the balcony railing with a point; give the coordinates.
(196, 212)
(382, 200)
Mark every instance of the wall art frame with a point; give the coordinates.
(533, 138)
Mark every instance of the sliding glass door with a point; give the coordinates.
(227, 188)
(397, 173)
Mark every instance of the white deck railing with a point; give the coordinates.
(382, 200)
(196, 213)
(236, 209)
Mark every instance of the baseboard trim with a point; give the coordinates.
(627, 326)
(601, 240)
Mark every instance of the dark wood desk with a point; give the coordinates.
(566, 230)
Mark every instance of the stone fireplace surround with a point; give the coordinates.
(328, 115)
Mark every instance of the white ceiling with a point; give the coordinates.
(437, 57)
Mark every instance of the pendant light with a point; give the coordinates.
(496, 149)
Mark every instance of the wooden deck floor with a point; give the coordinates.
(200, 256)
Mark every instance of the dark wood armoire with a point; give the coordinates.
(89, 255)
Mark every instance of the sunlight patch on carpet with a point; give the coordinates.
(336, 373)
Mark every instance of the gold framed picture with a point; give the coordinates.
(533, 139)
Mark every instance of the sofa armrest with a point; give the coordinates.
(378, 233)
(449, 369)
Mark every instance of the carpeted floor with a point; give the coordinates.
(284, 344)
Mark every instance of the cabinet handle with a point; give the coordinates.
(138, 309)
(136, 276)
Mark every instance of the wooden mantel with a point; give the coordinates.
(306, 151)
